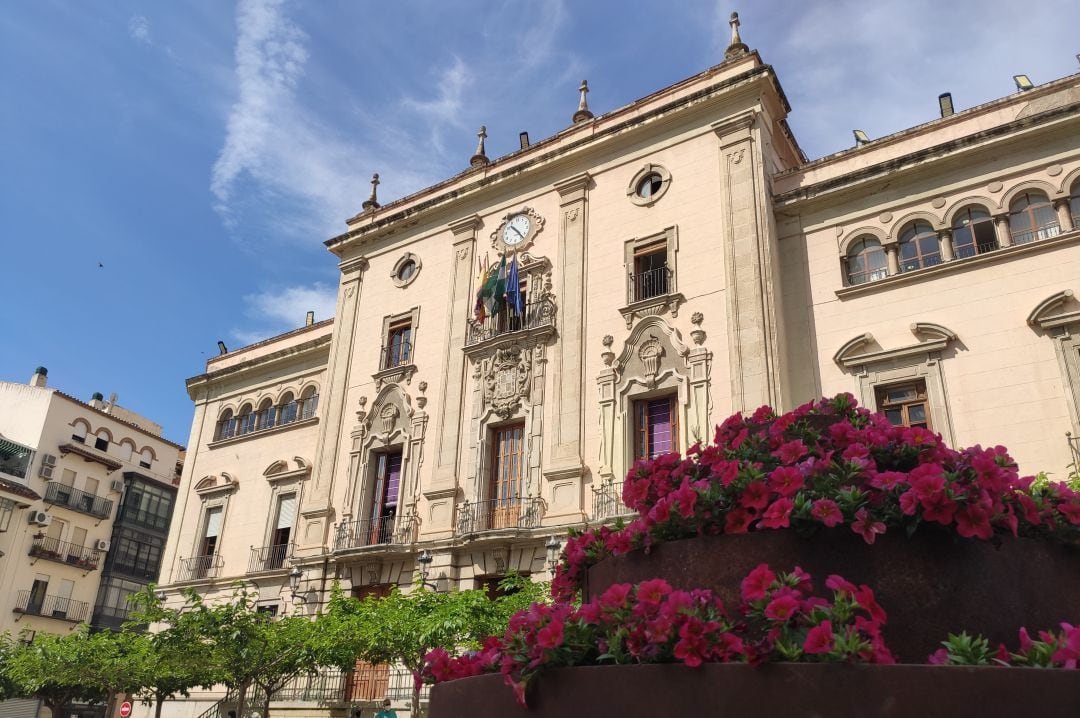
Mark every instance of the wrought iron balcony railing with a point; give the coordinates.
(395, 355)
(535, 314)
(496, 514)
(608, 502)
(86, 503)
(200, 567)
(270, 558)
(52, 549)
(652, 283)
(386, 530)
(31, 603)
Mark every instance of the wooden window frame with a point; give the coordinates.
(1034, 229)
(921, 259)
(639, 409)
(921, 398)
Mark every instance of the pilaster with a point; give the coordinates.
(752, 317)
(316, 513)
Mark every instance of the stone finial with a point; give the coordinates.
(607, 355)
(421, 401)
(479, 159)
(372, 202)
(697, 333)
(583, 113)
(737, 46)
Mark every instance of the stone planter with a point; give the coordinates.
(770, 690)
(930, 584)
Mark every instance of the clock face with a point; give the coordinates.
(516, 230)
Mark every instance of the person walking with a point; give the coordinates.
(387, 711)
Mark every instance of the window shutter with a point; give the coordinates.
(286, 512)
(213, 523)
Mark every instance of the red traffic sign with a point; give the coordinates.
(125, 709)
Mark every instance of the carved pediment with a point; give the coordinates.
(284, 469)
(390, 416)
(652, 346)
(864, 349)
(1057, 310)
(215, 484)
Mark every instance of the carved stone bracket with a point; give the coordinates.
(394, 375)
(651, 307)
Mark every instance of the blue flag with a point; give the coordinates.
(513, 288)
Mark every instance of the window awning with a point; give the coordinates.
(11, 449)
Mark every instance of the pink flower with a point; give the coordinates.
(738, 521)
(551, 635)
(840, 584)
(1069, 651)
(791, 452)
(615, 596)
(757, 583)
(755, 495)
(973, 521)
(939, 508)
(782, 608)
(778, 515)
(940, 657)
(785, 480)
(888, 480)
(866, 527)
(819, 639)
(1071, 511)
(653, 591)
(827, 512)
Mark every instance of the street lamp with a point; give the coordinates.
(424, 559)
(294, 584)
(553, 545)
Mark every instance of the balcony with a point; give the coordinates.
(95, 454)
(395, 355)
(85, 503)
(383, 531)
(198, 568)
(270, 558)
(649, 284)
(499, 514)
(538, 314)
(58, 607)
(607, 501)
(52, 549)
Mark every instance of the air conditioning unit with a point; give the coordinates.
(117, 485)
(39, 518)
(101, 545)
(48, 460)
(46, 472)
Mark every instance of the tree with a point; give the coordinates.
(403, 628)
(176, 660)
(83, 666)
(246, 648)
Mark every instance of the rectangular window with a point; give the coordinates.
(398, 348)
(211, 532)
(77, 544)
(507, 470)
(904, 404)
(279, 541)
(147, 505)
(656, 427)
(101, 442)
(136, 554)
(62, 605)
(7, 509)
(384, 497)
(650, 276)
(38, 592)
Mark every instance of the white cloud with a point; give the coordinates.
(139, 30)
(278, 311)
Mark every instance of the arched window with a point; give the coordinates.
(973, 232)
(245, 420)
(79, 430)
(919, 246)
(265, 417)
(865, 261)
(127, 449)
(287, 408)
(146, 457)
(226, 426)
(102, 440)
(1031, 217)
(309, 401)
(1074, 204)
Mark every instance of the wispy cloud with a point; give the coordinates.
(446, 108)
(274, 312)
(139, 30)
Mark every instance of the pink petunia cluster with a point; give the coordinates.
(826, 464)
(1050, 650)
(779, 619)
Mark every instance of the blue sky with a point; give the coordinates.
(202, 151)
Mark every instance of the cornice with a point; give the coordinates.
(258, 363)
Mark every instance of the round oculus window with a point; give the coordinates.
(406, 270)
(650, 185)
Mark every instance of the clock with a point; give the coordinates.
(516, 230)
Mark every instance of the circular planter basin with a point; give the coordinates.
(930, 584)
(768, 691)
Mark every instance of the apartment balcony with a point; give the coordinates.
(384, 531)
(649, 284)
(499, 514)
(536, 316)
(608, 502)
(51, 549)
(270, 558)
(59, 607)
(85, 503)
(199, 568)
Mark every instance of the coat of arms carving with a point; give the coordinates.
(506, 377)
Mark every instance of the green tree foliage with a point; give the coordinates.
(402, 628)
